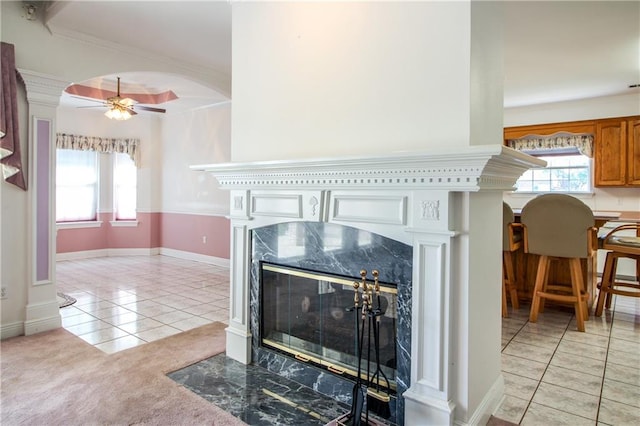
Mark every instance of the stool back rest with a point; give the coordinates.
(507, 218)
(558, 225)
(622, 240)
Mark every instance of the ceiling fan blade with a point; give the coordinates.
(88, 99)
(146, 108)
(93, 106)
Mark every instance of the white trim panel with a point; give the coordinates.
(281, 205)
(430, 324)
(390, 209)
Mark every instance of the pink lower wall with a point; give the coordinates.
(175, 231)
(185, 232)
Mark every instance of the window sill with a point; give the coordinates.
(79, 225)
(124, 223)
(584, 195)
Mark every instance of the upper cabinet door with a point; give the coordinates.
(610, 153)
(633, 152)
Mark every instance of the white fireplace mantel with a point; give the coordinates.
(447, 205)
(470, 169)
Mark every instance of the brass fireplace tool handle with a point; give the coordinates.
(356, 294)
(366, 297)
(377, 399)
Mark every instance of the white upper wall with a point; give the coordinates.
(586, 109)
(196, 137)
(338, 79)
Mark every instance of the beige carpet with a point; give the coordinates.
(55, 378)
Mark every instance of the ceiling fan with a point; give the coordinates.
(119, 107)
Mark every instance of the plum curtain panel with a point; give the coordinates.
(10, 156)
(95, 143)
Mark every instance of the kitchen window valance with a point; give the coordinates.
(130, 146)
(558, 141)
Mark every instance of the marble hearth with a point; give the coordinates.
(445, 207)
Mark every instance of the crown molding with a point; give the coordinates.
(469, 169)
(42, 88)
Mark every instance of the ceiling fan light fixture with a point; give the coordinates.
(117, 112)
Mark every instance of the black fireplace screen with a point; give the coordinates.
(311, 316)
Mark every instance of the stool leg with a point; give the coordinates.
(605, 283)
(541, 276)
(612, 279)
(545, 283)
(505, 312)
(576, 286)
(511, 280)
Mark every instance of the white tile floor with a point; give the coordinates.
(130, 300)
(553, 374)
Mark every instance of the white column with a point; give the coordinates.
(429, 400)
(476, 312)
(455, 335)
(239, 330)
(43, 94)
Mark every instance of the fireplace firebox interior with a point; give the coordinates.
(314, 318)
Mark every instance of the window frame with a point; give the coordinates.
(558, 153)
(104, 195)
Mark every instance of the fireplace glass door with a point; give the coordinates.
(311, 316)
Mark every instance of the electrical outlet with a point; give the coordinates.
(3, 292)
(204, 239)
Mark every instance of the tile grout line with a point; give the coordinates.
(544, 372)
(606, 359)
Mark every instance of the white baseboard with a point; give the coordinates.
(88, 254)
(134, 252)
(42, 324)
(489, 404)
(11, 330)
(186, 255)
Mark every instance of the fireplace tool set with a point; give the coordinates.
(377, 399)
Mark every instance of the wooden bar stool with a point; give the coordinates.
(511, 241)
(620, 246)
(559, 227)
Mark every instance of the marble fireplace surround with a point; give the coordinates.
(423, 199)
(327, 248)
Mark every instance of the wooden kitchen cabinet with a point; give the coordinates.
(578, 127)
(617, 152)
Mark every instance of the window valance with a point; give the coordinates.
(95, 143)
(582, 142)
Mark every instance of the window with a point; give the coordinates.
(76, 185)
(565, 172)
(568, 157)
(124, 187)
(79, 181)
